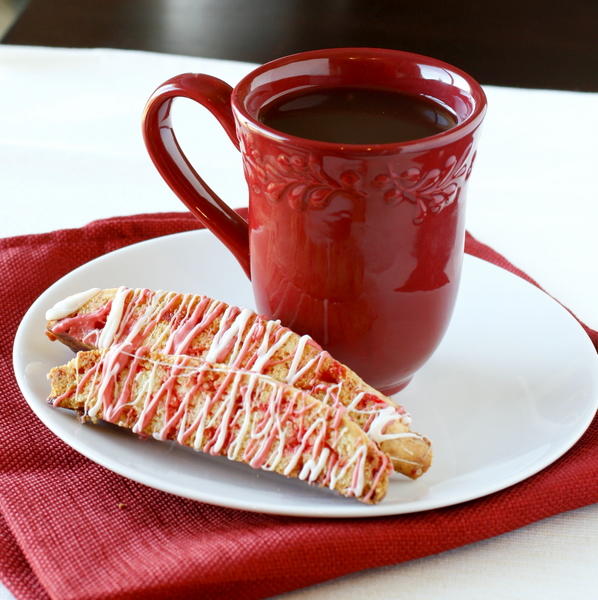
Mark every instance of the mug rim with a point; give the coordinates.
(472, 88)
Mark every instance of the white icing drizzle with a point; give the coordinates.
(356, 461)
(265, 352)
(69, 305)
(190, 328)
(114, 318)
(383, 418)
(226, 335)
(312, 469)
(293, 375)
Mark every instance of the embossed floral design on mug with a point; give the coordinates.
(359, 245)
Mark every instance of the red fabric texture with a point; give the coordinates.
(70, 529)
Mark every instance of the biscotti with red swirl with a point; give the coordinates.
(185, 324)
(220, 410)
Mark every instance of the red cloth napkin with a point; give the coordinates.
(70, 529)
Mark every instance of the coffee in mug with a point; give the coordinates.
(356, 115)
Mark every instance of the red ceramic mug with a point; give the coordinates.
(358, 245)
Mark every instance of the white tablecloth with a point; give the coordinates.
(71, 151)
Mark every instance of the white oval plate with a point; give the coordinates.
(512, 387)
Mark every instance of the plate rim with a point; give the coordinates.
(349, 508)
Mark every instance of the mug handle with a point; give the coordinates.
(168, 157)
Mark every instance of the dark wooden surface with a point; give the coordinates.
(525, 43)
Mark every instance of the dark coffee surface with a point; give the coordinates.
(356, 115)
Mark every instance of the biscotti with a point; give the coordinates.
(220, 410)
(184, 324)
